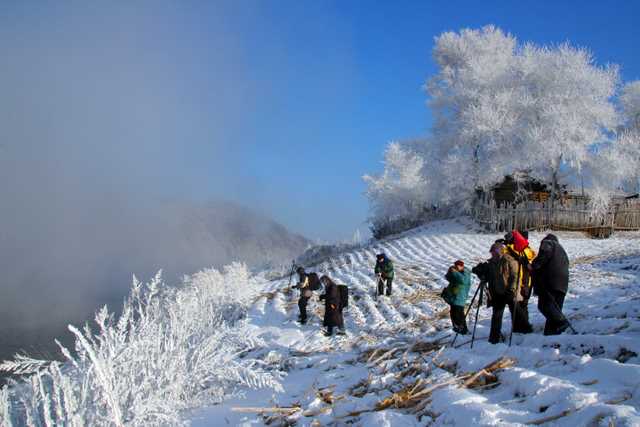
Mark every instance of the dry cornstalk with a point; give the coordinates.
(326, 395)
(300, 353)
(501, 363)
(386, 355)
(554, 417)
(434, 387)
(417, 384)
(619, 400)
(474, 377)
(314, 413)
(278, 410)
(426, 346)
(418, 395)
(373, 354)
(421, 406)
(411, 371)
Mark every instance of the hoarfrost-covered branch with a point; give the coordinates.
(171, 349)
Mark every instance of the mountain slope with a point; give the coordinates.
(399, 347)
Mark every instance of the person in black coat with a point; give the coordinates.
(550, 270)
(332, 310)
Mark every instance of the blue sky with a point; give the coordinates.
(279, 105)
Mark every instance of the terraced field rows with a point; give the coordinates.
(592, 378)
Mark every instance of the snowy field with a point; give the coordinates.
(396, 366)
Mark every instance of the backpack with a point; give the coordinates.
(314, 281)
(343, 292)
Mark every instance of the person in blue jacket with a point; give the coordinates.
(456, 294)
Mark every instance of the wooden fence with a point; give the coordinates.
(569, 214)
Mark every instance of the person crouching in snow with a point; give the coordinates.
(456, 293)
(332, 310)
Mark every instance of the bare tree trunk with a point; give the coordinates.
(476, 166)
(554, 188)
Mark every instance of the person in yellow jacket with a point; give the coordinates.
(517, 245)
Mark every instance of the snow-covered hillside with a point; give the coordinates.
(396, 366)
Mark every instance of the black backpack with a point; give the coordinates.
(314, 281)
(343, 292)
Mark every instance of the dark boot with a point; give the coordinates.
(496, 320)
(562, 327)
(302, 305)
(457, 320)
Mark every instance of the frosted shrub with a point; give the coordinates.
(172, 349)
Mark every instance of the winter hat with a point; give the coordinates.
(508, 238)
(496, 249)
(519, 242)
(459, 262)
(381, 256)
(300, 270)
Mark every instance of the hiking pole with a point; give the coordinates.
(555, 304)
(377, 289)
(475, 323)
(293, 265)
(467, 313)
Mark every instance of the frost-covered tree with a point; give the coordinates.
(501, 108)
(617, 165)
(630, 101)
(566, 109)
(628, 142)
(472, 98)
(401, 190)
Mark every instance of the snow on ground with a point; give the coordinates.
(402, 345)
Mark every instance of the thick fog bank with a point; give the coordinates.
(59, 268)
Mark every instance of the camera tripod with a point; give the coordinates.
(479, 291)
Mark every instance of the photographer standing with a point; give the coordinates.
(384, 271)
(517, 246)
(456, 293)
(501, 274)
(307, 283)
